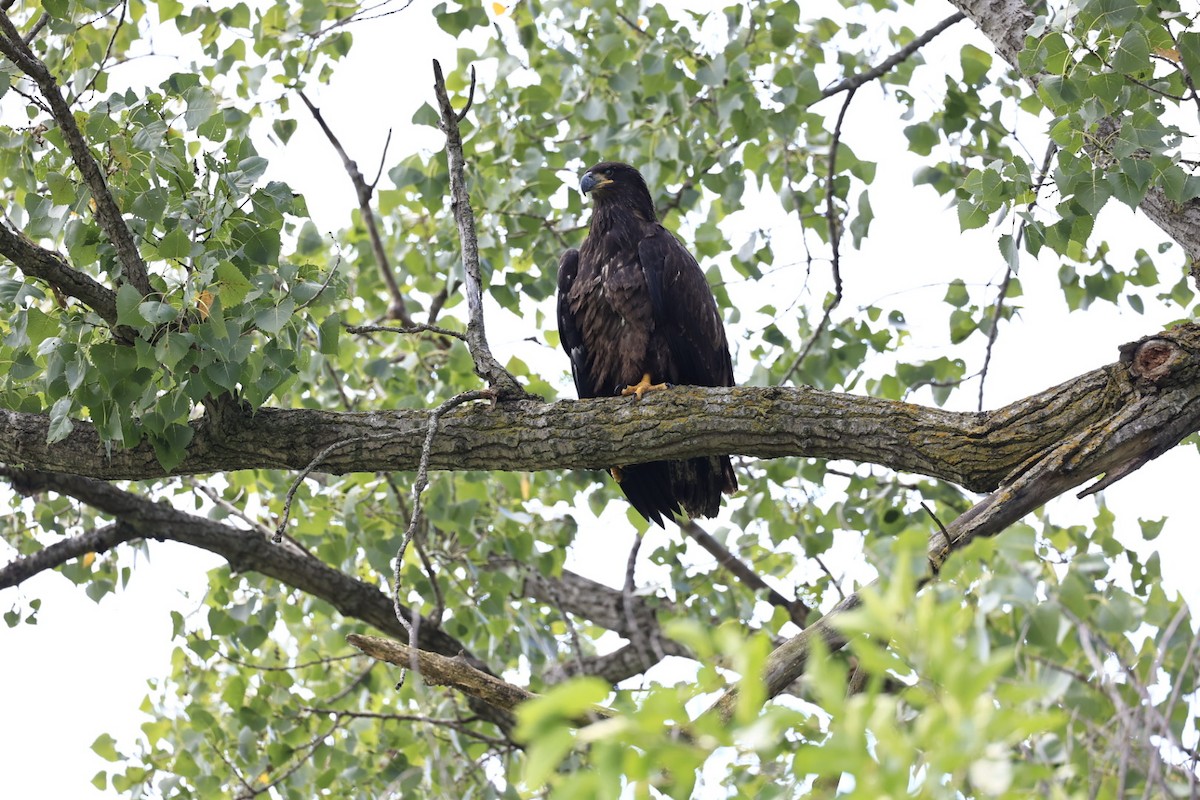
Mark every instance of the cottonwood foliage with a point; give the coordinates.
(1046, 661)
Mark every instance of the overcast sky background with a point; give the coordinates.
(83, 669)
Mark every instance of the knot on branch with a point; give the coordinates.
(1158, 360)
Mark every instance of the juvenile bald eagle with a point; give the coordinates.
(634, 314)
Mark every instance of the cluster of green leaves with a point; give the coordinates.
(1028, 686)
(238, 297)
(1111, 75)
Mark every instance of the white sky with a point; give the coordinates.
(83, 669)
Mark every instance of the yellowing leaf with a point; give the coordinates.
(204, 301)
(498, 9)
(87, 560)
(1169, 53)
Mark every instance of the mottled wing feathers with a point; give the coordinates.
(689, 321)
(569, 334)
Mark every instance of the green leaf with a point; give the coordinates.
(232, 286)
(427, 115)
(272, 320)
(1188, 43)
(156, 312)
(60, 423)
(328, 335)
(175, 245)
(956, 294)
(975, 64)
(1132, 56)
(105, 746)
(455, 22)
(971, 215)
(1152, 528)
(284, 128)
(169, 9)
(201, 105)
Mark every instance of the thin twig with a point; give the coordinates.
(233, 510)
(108, 51)
(407, 329)
(439, 601)
(454, 724)
(364, 191)
(855, 81)
(287, 667)
(837, 583)
(42, 22)
(422, 480)
(572, 631)
(1010, 270)
(304, 473)
(934, 517)
(303, 755)
(637, 636)
(835, 239)
(797, 611)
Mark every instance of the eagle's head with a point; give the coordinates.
(613, 184)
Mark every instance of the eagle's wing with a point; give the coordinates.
(569, 334)
(685, 312)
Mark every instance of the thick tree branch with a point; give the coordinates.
(1005, 22)
(246, 551)
(974, 450)
(100, 540)
(486, 365)
(456, 673)
(606, 607)
(108, 214)
(363, 192)
(51, 267)
(1124, 442)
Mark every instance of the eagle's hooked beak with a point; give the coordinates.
(590, 182)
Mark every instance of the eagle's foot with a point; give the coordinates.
(642, 386)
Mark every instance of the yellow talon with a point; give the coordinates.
(643, 386)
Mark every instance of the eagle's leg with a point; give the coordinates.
(642, 386)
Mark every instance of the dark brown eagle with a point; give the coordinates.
(635, 314)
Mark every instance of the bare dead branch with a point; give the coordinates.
(456, 673)
(486, 365)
